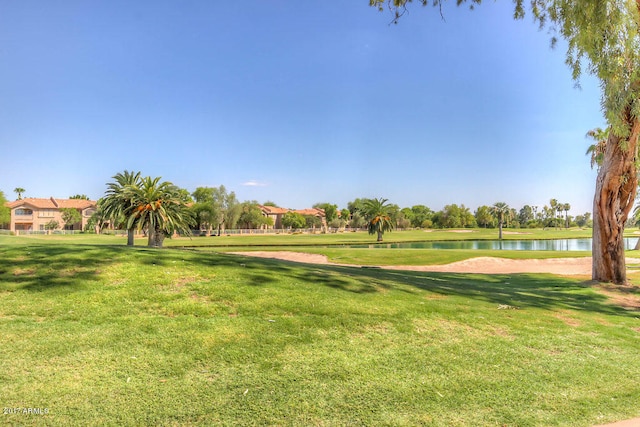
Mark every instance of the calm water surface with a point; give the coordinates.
(507, 245)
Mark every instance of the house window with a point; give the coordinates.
(46, 213)
(23, 212)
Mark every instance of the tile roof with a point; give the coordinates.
(272, 210)
(52, 203)
(312, 211)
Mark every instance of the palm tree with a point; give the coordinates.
(159, 208)
(500, 210)
(116, 205)
(377, 213)
(566, 207)
(554, 211)
(19, 191)
(596, 150)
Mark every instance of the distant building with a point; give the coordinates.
(276, 214)
(33, 214)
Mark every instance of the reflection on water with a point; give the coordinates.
(507, 245)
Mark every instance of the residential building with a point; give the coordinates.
(32, 214)
(276, 214)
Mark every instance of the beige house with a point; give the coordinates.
(277, 213)
(33, 214)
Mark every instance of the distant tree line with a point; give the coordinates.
(159, 209)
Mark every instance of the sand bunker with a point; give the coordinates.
(483, 265)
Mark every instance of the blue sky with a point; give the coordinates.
(294, 102)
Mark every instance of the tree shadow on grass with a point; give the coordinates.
(42, 267)
(515, 290)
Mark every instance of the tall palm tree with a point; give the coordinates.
(500, 210)
(566, 207)
(554, 210)
(116, 204)
(19, 191)
(378, 216)
(159, 208)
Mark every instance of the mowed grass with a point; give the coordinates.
(362, 237)
(110, 335)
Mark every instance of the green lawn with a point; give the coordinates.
(102, 334)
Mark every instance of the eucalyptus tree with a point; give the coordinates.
(116, 204)
(293, 220)
(603, 39)
(357, 220)
(421, 214)
(229, 208)
(525, 216)
(377, 213)
(70, 217)
(501, 211)
(345, 215)
(159, 208)
(484, 217)
(251, 216)
(330, 210)
(205, 210)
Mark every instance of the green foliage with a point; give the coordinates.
(526, 215)
(484, 217)
(79, 197)
(203, 195)
(70, 216)
(356, 205)
(97, 220)
(205, 215)
(117, 203)
(357, 220)
(251, 216)
(159, 208)
(454, 216)
(330, 211)
(19, 192)
(421, 214)
(52, 225)
(313, 221)
(294, 220)
(5, 212)
(377, 213)
(596, 150)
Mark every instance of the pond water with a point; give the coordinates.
(507, 245)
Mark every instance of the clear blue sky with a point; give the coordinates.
(296, 102)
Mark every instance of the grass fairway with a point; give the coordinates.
(110, 335)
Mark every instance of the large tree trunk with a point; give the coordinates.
(616, 187)
(156, 237)
(130, 235)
